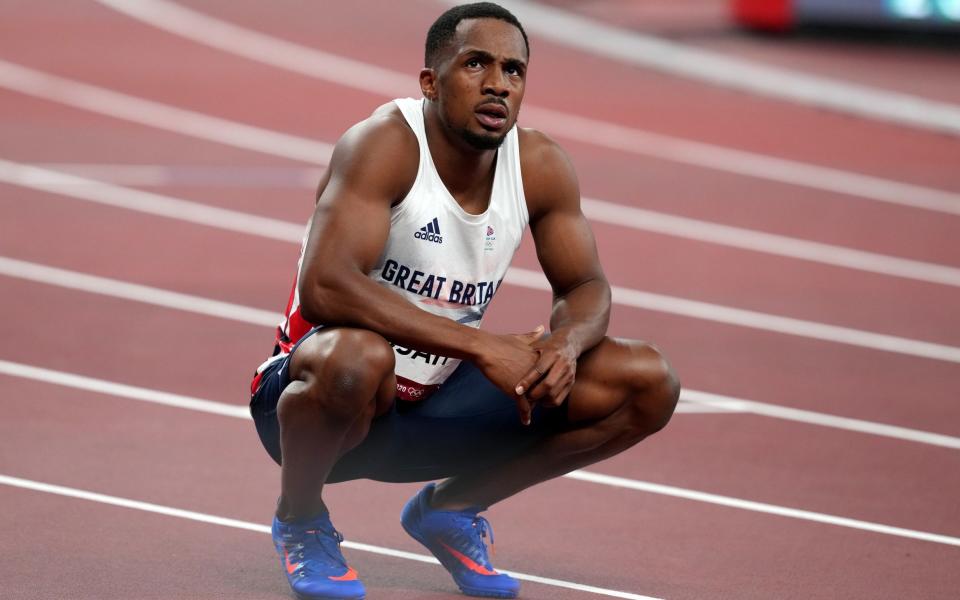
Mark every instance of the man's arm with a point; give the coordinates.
(373, 167)
(568, 256)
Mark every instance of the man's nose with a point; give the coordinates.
(495, 84)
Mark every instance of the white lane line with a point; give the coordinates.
(755, 320)
(190, 515)
(573, 30)
(117, 174)
(265, 49)
(769, 243)
(351, 73)
(229, 176)
(691, 400)
(136, 292)
(762, 507)
(122, 390)
(162, 116)
(174, 208)
(718, 402)
(741, 162)
(91, 190)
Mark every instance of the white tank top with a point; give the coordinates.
(440, 258)
(444, 260)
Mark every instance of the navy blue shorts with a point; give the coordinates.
(467, 424)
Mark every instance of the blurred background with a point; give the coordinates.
(775, 191)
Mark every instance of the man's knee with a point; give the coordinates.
(654, 389)
(338, 371)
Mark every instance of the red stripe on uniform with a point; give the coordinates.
(255, 383)
(775, 15)
(295, 326)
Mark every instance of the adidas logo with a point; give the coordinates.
(430, 232)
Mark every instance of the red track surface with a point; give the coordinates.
(576, 531)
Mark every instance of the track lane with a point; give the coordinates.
(913, 66)
(217, 367)
(675, 59)
(927, 238)
(96, 533)
(151, 250)
(744, 115)
(275, 97)
(67, 332)
(908, 306)
(821, 216)
(717, 358)
(906, 63)
(41, 131)
(153, 449)
(161, 558)
(796, 372)
(756, 365)
(755, 123)
(798, 479)
(801, 289)
(693, 401)
(840, 292)
(908, 232)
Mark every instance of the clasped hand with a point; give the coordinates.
(532, 369)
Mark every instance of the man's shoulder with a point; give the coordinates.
(385, 130)
(382, 147)
(537, 146)
(548, 173)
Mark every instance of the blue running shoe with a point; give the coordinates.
(456, 539)
(310, 554)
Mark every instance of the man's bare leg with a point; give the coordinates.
(624, 392)
(340, 379)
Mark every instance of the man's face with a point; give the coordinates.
(480, 81)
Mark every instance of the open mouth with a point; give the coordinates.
(491, 115)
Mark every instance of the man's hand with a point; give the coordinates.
(504, 361)
(551, 378)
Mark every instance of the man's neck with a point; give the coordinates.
(466, 171)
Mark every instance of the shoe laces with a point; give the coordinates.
(479, 529)
(329, 545)
(484, 528)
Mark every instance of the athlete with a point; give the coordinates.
(380, 369)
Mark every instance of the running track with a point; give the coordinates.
(662, 542)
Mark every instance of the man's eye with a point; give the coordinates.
(473, 63)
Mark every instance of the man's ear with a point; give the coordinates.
(428, 83)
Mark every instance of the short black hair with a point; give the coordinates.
(444, 28)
